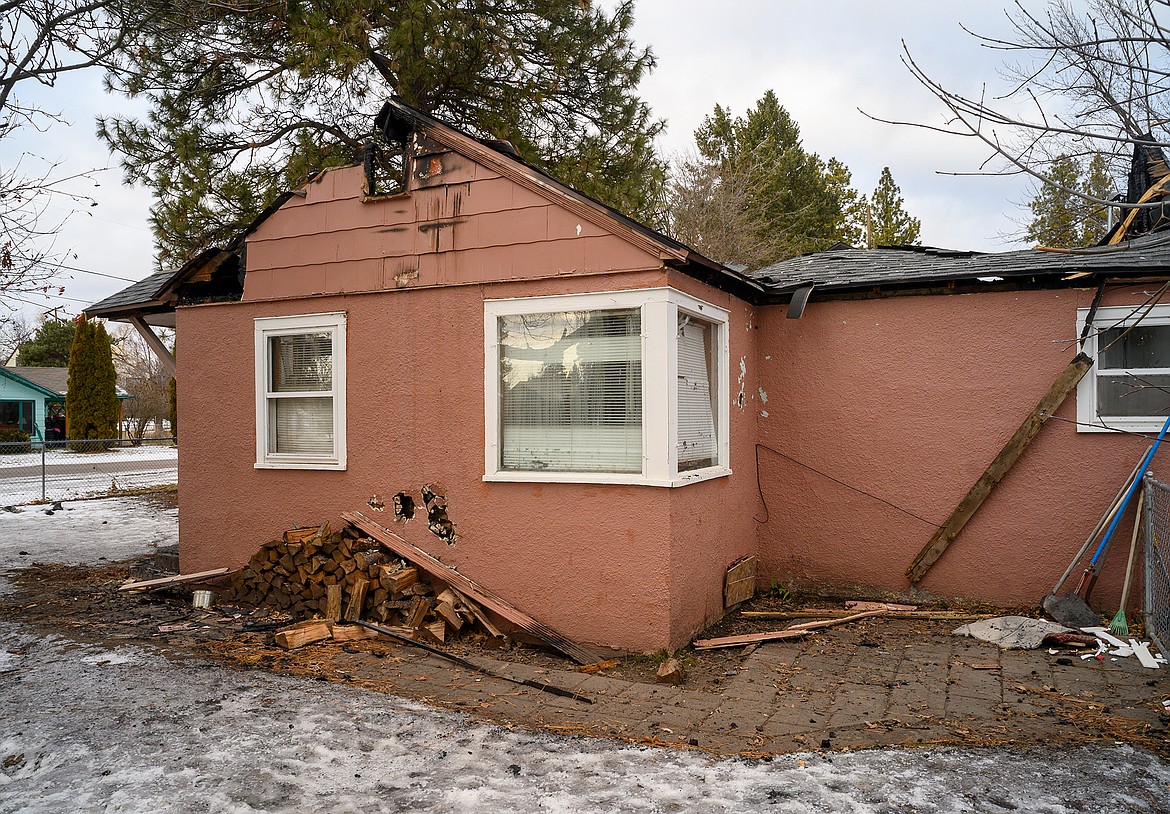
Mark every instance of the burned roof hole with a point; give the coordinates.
(403, 506)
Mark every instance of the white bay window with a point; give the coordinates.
(300, 392)
(622, 387)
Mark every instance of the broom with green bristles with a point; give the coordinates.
(1119, 626)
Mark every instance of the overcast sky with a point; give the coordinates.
(823, 60)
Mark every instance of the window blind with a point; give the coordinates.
(299, 364)
(697, 437)
(572, 391)
(301, 426)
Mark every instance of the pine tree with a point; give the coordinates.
(888, 222)
(1056, 217)
(780, 200)
(1098, 184)
(50, 346)
(246, 97)
(1061, 218)
(92, 401)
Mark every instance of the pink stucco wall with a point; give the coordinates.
(909, 399)
(631, 567)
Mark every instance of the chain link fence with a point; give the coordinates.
(67, 470)
(1157, 572)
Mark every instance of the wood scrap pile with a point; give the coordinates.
(824, 618)
(347, 576)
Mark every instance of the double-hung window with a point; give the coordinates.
(1128, 387)
(300, 392)
(621, 387)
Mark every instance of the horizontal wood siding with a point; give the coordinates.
(467, 224)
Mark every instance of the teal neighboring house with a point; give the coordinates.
(32, 400)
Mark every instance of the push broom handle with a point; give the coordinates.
(1137, 525)
(1129, 493)
(1105, 518)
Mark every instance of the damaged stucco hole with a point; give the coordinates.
(376, 503)
(403, 507)
(437, 521)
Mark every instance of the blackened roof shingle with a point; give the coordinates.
(855, 269)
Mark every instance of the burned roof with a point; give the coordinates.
(146, 290)
(396, 117)
(901, 267)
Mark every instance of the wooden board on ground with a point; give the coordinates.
(484, 596)
(739, 584)
(176, 579)
(748, 638)
(859, 605)
(838, 614)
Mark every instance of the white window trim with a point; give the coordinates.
(334, 324)
(1108, 317)
(660, 309)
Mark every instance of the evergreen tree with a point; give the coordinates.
(1098, 184)
(92, 401)
(888, 222)
(1061, 217)
(851, 228)
(245, 98)
(49, 347)
(785, 201)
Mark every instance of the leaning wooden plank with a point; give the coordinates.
(176, 579)
(1012, 450)
(748, 638)
(477, 593)
(739, 583)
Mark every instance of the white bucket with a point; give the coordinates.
(201, 599)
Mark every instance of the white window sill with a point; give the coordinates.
(625, 479)
(1128, 424)
(333, 465)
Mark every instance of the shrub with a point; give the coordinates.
(14, 441)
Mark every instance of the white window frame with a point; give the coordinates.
(660, 309)
(1114, 316)
(266, 327)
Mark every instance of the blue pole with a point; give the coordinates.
(1137, 482)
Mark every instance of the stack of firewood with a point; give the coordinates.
(347, 576)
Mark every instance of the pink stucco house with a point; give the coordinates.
(612, 419)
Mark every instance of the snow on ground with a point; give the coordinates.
(84, 531)
(95, 729)
(85, 727)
